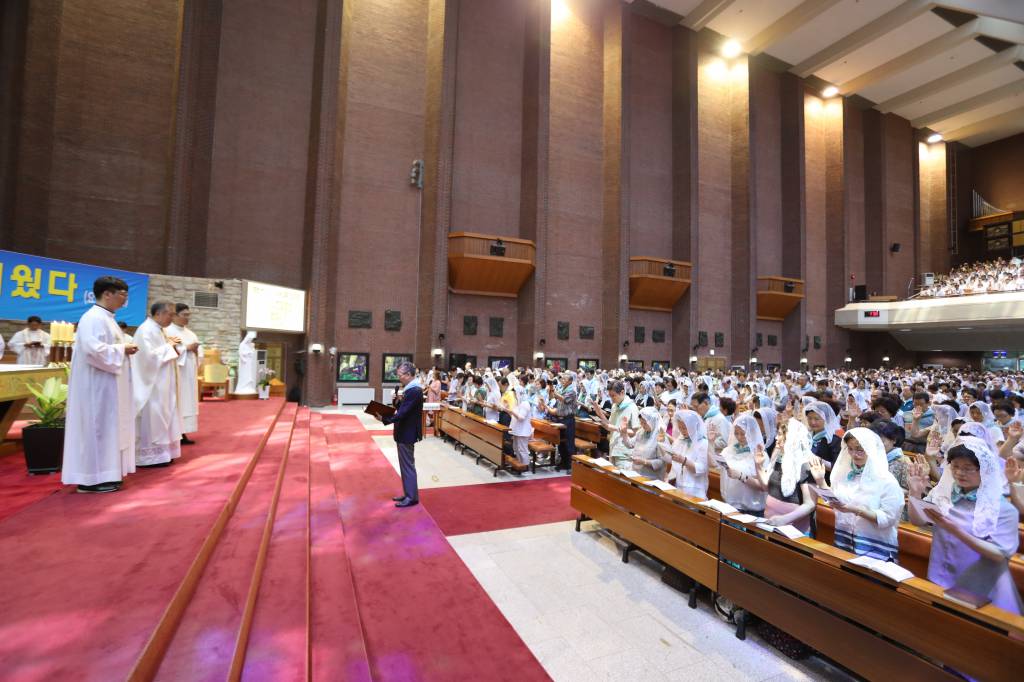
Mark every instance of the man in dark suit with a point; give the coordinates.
(408, 422)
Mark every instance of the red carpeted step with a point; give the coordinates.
(277, 642)
(95, 573)
(337, 646)
(424, 615)
(204, 641)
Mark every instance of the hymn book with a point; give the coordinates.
(375, 409)
(920, 506)
(886, 568)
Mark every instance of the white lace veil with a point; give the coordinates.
(990, 492)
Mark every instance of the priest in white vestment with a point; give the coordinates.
(190, 358)
(32, 344)
(155, 390)
(99, 426)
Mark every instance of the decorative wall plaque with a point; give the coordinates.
(658, 336)
(497, 326)
(360, 319)
(639, 334)
(586, 333)
(817, 342)
(719, 339)
(393, 320)
(563, 331)
(702, 338)
(469, 325)
(759, 339)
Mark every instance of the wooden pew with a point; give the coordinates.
(483, 438)
(915, 545)
(857, 617)
(667, 525)
(546, 437)
(589, 435)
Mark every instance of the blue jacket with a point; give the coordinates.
(408, 419)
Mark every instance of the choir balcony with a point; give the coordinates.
(777, 297)
(489, 265)
(657, 283)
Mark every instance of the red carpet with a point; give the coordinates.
(424, 615)
(494, 506)
(18, 489)
(103, 567)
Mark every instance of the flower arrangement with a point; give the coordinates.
(266, 374)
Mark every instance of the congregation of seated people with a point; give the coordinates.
(779, 444)
(987, 277)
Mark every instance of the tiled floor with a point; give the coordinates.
(587, 616)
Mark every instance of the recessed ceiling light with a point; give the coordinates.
(904, 330)
(963, 329)
(830, 91)
(934, 137)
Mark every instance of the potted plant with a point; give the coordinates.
(43, 441)
(263, 387)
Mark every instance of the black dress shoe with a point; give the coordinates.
(407, 502)
(158, 465)
(100, 488)
(398, 498)
(185, 440)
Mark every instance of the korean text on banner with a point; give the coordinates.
(61, 290)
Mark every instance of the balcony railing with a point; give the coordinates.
(657, 283)
(777, 297)
(489, 265)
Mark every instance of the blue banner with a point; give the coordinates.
(61, 290)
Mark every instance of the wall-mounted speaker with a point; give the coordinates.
(895, 248)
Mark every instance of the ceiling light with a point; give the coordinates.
(559, 11)
(830, 91)
(904, 330)
(963, 329)
(934, 137)
(731, 49)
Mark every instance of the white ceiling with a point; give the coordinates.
(898, 54)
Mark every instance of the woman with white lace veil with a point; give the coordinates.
(740, 484)
(787, 478)
(646, 459)
(975, 527)
(767, 417)
(981, 412)
(687, 457)
(493, 397)
(869, 499)
(823, 425)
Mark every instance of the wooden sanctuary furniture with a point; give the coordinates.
(863, 620)
(14, 394)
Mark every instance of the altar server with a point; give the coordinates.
(32, 344)
(99, 427)
(190, 358)
(155, 390)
